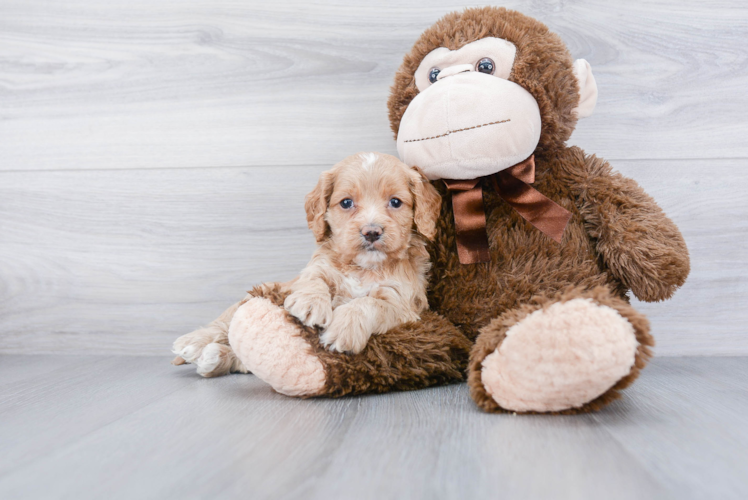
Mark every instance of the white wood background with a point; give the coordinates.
(154, 154)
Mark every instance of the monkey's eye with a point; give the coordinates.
(485, 65)
(346, 203)
(433, 74)
(396, 203)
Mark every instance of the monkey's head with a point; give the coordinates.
(482, 90)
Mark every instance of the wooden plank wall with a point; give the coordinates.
(154, 154)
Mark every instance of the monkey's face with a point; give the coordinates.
(484, 89)
(468, 120)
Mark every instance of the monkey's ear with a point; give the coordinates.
(316, 204)
(587, 89)
(427, 204)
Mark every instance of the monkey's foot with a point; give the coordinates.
(560, 358)
(269, 343)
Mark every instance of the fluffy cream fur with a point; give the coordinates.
(560, 357)
(353, 288)
(268, 341)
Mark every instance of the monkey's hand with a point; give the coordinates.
(641, 246)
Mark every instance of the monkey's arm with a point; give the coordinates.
(640, 245)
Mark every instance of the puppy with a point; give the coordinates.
(371, 216)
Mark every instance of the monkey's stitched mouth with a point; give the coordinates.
(450, 132)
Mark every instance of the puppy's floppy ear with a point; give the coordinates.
(427, 204)
(316, 204)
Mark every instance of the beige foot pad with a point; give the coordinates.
(560, 357)
(271, 348)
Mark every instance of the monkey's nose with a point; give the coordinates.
(454, 70)
(371, 233)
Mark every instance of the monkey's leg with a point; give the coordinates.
(568, 353)
(281, 351)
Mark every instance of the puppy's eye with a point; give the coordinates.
(433, 74)
(485, 65)
(346, 203)
(395, 203)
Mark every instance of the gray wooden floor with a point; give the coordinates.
(137, 427)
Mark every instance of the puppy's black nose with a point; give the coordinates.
(371, 233)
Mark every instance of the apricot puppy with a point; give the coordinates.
(371, 215)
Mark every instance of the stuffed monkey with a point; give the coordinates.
(537, 244)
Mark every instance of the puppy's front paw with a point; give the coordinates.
(312, 309)
(347, 332)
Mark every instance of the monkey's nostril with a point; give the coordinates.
(371, 234)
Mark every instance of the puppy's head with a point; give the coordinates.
(370, 206)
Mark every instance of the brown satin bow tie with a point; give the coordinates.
(513, 185)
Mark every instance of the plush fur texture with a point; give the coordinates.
(542, 66)
(493, 334)
(269, 344)
(560, 357)
(617, 237)
(371, 215)
(352, 287)
(410, 356)
(618, 240)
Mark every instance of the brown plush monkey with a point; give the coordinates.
(536, 247)
(552, 325)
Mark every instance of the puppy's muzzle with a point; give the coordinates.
(371, 233)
